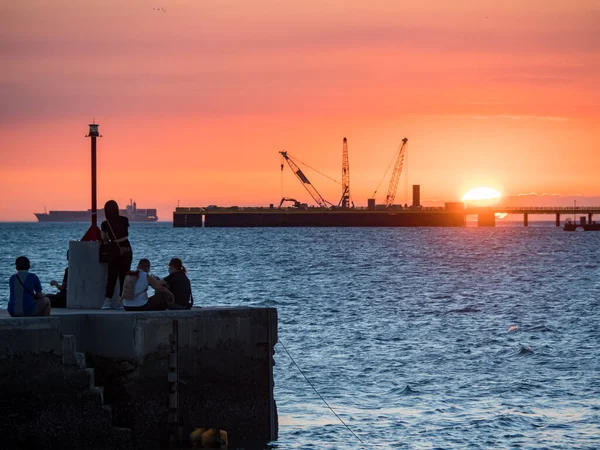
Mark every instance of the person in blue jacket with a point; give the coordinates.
(26, 296)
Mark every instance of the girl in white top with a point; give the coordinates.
(141, 301)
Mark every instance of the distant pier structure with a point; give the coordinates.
(486, 216)
(452, 214)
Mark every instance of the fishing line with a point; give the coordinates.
(317, 392)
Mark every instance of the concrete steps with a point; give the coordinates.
(99, 391)
(68, 349)
(75, 360)
(92, 375)
(80, 360)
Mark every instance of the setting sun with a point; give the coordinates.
(481, 193)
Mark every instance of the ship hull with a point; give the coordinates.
(591, 227)
(85, 216)
(318, 219)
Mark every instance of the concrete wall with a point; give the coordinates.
(351, 218)
(87, 276)
(48, 397)
(225, 367)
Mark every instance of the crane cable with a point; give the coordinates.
(317, 392)
(312, 168)
(384, 175)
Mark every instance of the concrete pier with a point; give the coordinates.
(486, 218)
(99, 379)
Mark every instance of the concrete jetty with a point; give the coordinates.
(100, 379)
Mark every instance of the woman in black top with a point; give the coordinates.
(179, 285)
(115, 234)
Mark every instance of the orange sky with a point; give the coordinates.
(195, 103)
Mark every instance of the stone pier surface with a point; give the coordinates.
(99, 379)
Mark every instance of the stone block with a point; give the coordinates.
(87, 276)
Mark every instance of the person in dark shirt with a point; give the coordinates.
(179, 285)
(59, 300)
(115, 234)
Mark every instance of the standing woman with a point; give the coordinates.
(115, 234)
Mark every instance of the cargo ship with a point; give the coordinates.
(134, 214)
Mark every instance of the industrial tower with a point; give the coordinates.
(345, 176)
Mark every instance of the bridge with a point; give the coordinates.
(486, 216)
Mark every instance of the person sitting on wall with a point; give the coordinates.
(60, 300)
(138, 300)
(26, 296)
(179, 285)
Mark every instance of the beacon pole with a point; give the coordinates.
(93, 234)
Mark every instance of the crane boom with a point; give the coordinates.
(345, 176)
(393, 188)
(305, 182)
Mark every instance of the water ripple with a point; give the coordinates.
(405, 332)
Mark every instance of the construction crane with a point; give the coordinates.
(393, 188)
(318, 198)
(345, 201)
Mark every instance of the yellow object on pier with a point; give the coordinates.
(209, 438)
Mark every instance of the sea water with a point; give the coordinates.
(416, 337)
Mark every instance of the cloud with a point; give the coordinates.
(549, 199)
(533, 79)
(522, 117)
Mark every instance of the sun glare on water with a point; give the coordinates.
(481, 193)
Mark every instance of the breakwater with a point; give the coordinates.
(100, 379)
(265, 217)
